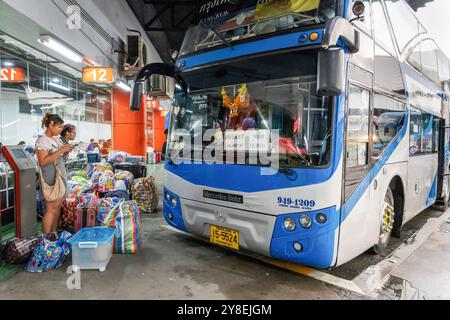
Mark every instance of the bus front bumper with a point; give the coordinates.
(260, 233)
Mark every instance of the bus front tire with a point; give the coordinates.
(387, 223)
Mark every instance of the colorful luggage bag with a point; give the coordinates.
(49, 255)
(106, 182)
(138, 170)
(124, 217)
(19, 250)
(125, 176)
(68, 213)
(145, 194)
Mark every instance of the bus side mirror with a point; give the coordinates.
(159, 78)
(136, 96)
(330, 72)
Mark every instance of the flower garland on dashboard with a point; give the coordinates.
(241, 101)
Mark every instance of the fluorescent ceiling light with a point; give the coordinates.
(8, 64)
(124, 86)
(62, 49)
(55, 85)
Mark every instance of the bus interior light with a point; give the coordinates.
(289, 224)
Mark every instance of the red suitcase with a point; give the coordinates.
(86, 217)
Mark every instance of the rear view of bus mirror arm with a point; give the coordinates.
(143, 75)
(337, 29)
(155, 68)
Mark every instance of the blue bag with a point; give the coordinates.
(50, 255)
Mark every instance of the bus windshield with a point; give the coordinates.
(221, 21)
(278, 98)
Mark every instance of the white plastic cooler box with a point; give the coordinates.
(92, 248)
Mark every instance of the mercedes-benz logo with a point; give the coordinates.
(220, 217)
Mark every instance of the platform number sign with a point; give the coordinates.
(98, 75)
(8, 75)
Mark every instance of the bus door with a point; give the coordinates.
(354, 216)
(443, 187)
(357, 138)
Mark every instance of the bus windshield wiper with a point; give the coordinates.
(219, 35)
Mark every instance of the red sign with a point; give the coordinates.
(16, 75)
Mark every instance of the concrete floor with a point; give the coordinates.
(427, 269)
(171, 266)
(174, 266)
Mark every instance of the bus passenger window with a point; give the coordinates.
(424, 133)
(388, 119)
(415, 135)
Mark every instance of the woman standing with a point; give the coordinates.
(50, 151)
(68, 133)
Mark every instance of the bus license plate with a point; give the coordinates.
(225, 237)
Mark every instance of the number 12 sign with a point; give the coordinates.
(8, 75)
(98, 75)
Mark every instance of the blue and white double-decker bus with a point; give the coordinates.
(325, 120)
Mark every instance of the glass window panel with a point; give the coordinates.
(388, 74)
(356, 154)
(46, 89)
(429, 60)
(424, 133)
(444, 69)
(415, 59)
(358, 114)
(436, 125)
(388, 119)
(415, 132)
(404, 22)
(382, 33)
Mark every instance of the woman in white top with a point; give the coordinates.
(50, 150)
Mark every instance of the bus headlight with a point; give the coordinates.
(289, 224)
(298, 246)
(167, 196)
(321, 218)
(305, 221)
(174, 202)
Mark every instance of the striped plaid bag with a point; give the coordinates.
(125, 218)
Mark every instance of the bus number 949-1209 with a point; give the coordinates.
(295, 203)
